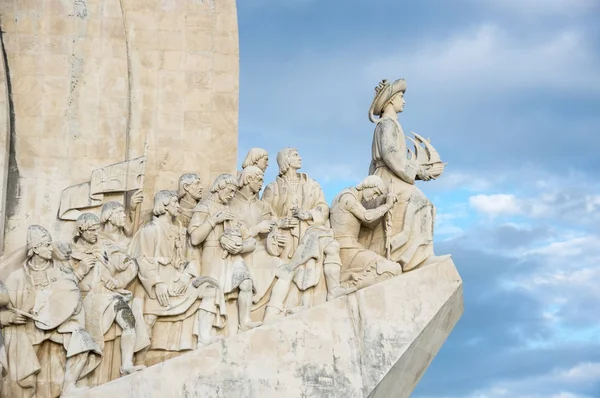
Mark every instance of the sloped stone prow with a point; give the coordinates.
(376, 342)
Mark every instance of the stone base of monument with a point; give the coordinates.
(376, 342)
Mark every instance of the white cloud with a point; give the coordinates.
(495, 205)
(491, 59)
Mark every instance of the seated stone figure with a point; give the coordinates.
(103, 271)
(170, 287)
(259, 221)
(49, 351)
(221, 258)
(361, 267)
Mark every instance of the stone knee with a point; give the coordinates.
(246, 285)
(124, 317)
(332, 253)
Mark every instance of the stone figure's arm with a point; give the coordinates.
(248, 245)
(395, 157)
(126, 276)
(136, 199)
(270, 197)
(147, 264)
(200, 226)
(320, 212)
(365, 216)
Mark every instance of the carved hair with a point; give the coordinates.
(283, 159)
(249, 173)
(83, 223)
(253, 156)
(108, 209)
(162, 200)
(372, 181)
(36, 236)
(222, 181)
(187, 178)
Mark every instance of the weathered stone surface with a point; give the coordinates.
(97, 82)
(376, 342)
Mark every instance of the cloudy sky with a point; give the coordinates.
(509, 93)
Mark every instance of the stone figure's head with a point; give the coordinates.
(232, 236)
(252, 176)
(371, 188)
(114, 213)
(191, 184)
(387, 93)
(87, 226)
(39, 242)
(257, 157)
(288, 158)
(224, 187)
(166, 201)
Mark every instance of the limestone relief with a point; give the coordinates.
(125, 295)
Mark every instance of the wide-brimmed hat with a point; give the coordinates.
(384, 92)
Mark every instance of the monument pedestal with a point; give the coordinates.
(376, 342)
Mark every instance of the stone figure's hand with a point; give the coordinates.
(424, 174)
(301, 214)
(87, 264)
(288, 223)
(232, 247)
(390, 199)
(282, 240)
(111, 284)
(17, 319)
(180, 287)
(162, 294)
(221, 217)
(136, 199)
(264, 226)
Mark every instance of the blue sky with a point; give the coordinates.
(509, 93)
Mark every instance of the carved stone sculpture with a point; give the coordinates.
(6, 318)
(257, 157)
(406, 235)
(48, 349)
(189, 192)
(104, 270)
(170, 286)
(260, 221)
(361, 267)
(300, 206)
(221, 255)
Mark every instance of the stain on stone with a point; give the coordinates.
(13, 187)
(317, 381)
(80, 8)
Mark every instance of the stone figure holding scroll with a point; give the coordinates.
(104, 270)
(170, 285)
(48, 349)
(221, 255)
(361, 267)
(406, 236)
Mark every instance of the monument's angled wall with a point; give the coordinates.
(95, 82)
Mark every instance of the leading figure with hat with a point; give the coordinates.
(406, 235)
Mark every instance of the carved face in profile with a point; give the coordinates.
(370, 194)
(294, 160)
(90, 234)
(173, 207)
(117, 218)
(227, 193)
(194, 189)
(256, 183)
(263, 163)
(44, 251)
(398, 102)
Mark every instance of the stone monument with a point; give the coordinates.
(137, 261)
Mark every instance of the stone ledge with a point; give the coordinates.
(376, 342)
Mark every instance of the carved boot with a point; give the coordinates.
(332, 277)
(205, 326)
(245, 306)
(127, 347)
(73, 369)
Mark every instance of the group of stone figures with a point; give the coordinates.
(207, 266)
